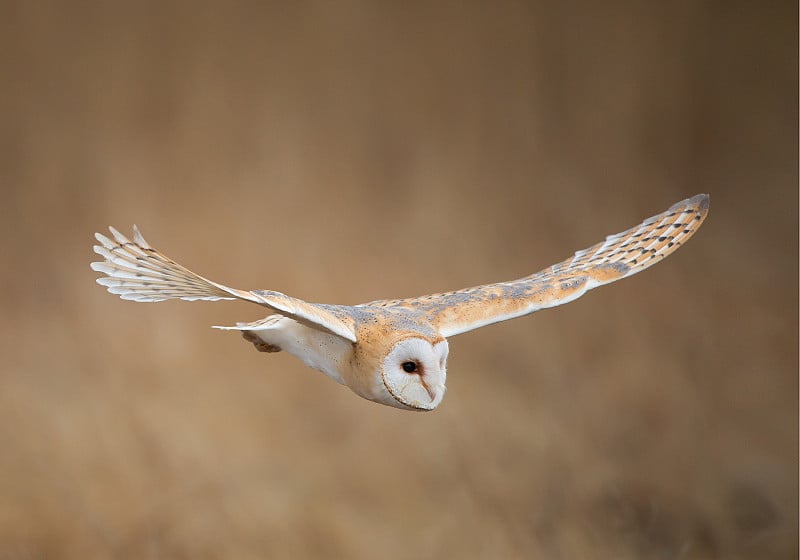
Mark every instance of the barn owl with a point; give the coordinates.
(394, 352)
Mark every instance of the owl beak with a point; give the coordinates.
(430, 391)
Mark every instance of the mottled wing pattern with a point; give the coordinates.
(136, 271)
(619, 256)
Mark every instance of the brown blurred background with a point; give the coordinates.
(352, 150)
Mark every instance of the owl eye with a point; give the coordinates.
(409, 367)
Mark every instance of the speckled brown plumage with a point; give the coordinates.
(619, 256)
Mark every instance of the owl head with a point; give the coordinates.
(413, 373)
(405, 370)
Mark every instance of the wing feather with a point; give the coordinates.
(136, 271)
(618, 256)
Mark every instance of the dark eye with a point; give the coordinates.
(409, 367)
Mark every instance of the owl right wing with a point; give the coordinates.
(136, 271)
(619, 256)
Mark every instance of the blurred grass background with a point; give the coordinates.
(352, 150)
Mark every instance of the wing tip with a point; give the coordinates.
(138, 238)
(120, 239)
(699, 201)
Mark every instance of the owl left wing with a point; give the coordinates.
(619, 256)
(134, 270)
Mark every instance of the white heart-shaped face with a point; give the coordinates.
(414, 373)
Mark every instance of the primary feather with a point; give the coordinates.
(136, 271)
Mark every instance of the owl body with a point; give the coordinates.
(365, 366)
(324, 352)
(394, 352)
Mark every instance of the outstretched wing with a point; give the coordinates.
(136, 271)
(619, 256)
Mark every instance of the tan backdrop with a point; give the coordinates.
(352, 150)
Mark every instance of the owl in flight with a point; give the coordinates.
(394, 352)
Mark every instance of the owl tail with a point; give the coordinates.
(249, 332)
(136, 271)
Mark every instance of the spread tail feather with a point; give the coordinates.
(249, 332)
(267, 323)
